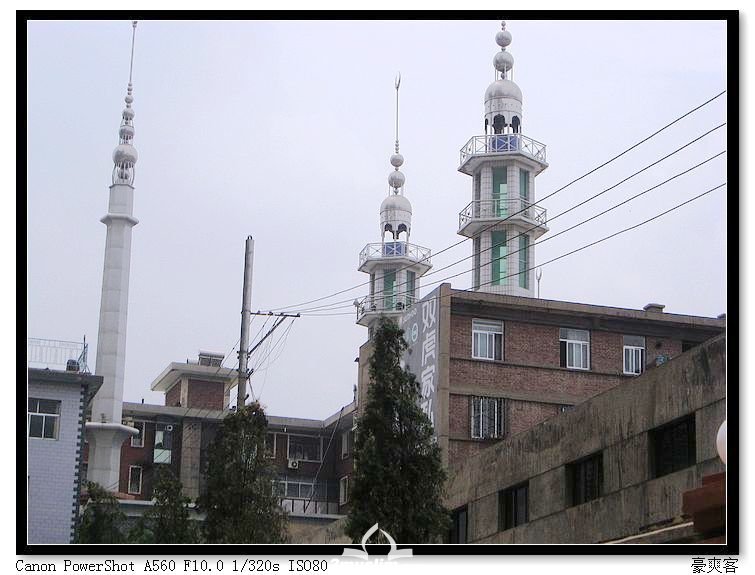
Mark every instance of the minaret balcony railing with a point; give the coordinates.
(502, 144)
(385, 250)
(384, 302)
(502, 209)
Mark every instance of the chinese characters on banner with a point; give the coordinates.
(420, 325)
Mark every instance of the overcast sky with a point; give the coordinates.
(283, 130)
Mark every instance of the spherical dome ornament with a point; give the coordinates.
(397, 160)
(125, 154)
(504, 89)
(721, 442)
(128, 113)
(503, 38)
(396, 202)
(129, 98)
(396, 179)
(503, 61)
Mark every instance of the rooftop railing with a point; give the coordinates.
(384, 303)
(394, 250)
(500, 144)
(56, 354)
(495, 208)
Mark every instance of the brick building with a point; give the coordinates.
(312, 457)
(502, 364)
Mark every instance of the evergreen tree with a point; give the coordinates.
(398, 474)
(167, 521)
(239, 502)
(102, 520)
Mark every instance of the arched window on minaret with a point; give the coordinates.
(499, 123)
(402, 229)
(515, 123)
(486, 126)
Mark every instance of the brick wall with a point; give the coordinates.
(173, 397)
(140, 456)
(205, 394)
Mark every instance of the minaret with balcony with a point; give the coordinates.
(503, 220)
(394, 264)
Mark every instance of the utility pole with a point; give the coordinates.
(246, 316)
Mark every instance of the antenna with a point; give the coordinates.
(131, 64)
(538, 275)
(398, 83)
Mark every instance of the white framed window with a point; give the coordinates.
(343, 490)
(138, 440)
(163, 443)
(487, 339)
(305, 447)
(634, 354)
(135, 480)
(345, 444)
(575, 348)
(487, 417)
(44, 418)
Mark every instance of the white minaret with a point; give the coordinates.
(502, 218)
(105, 431)
(395, 266)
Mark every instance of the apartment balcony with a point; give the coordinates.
(402, 253)
(371, 306)
(480, 148)
(480, 214)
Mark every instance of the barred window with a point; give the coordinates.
(487, 417)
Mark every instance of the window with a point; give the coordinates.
(44, 415)
(138, 440)
(270, 445)
(476, 271)
(304, 447)
(524, 276)
(134, 479)
(513, 506)
(411, 286)
(524, 185)
(575, 348)
(584, 479)
(673, 446)
(634, 354)
(345, 443)
(458, 532)
(343, 491)
(498, 258)
(389, 283)
(163, 443)
(487, 417)
(500, 192)
(487, 339)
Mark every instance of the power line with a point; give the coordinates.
(333, 306)
(592, 171)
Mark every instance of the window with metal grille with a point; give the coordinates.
(584, 479)
(487, 417)
(305, 447)
(43, 418)
(134, 479)
(487, 339)
(458, 531)
(634, 354)
(270, 445)
(138, 440)
(673, 446)
(575, 348)
(513, 506)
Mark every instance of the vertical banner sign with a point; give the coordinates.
(420, 325)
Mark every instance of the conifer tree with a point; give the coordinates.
(240, 504)
(398, 474)
(102, 520)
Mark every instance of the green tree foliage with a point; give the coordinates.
(102, 520)
(398, 474)
(239, 502)
(167, 521)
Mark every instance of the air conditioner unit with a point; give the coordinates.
(168, 428)
(293, 464)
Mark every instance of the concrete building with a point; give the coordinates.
(613, 469)
(58, 398)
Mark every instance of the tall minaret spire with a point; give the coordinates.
(394, 264)
(105, 431)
